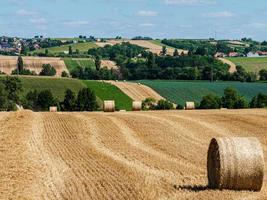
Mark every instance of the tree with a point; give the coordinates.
(69, 103)
(3, 98)
(164, 50)
(24, 49)
(45, 100)
(46, 51)
(31, 100)
(259, 101)
(263, 75)
(210, 101)
(48, 70)
(97, 63)
(13, 88)
(151, 61)
(86, 100)
(175, 53)
(70, 50)
(20, 64)
(232, 100)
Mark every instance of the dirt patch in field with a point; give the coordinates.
(109, 64)
(137, 92)
(144, 155)
(9, 63)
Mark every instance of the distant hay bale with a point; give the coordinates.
(137, 105)
(53, 109)
(235, 163)
(190, 105)
(109, 106)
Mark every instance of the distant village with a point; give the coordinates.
(17, 46)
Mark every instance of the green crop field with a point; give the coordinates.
(73, 63)
(181, 91)
(57, 86)
(106, 91)
(82, 47)
(251, 64)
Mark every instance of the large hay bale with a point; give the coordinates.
(53, 109)
(109, 106)
(235, 163)
(190, 105)
(137, 105)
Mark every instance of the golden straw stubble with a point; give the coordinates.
(235, 163)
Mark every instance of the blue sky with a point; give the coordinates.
(229, 19)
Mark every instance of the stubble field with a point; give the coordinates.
(142, 155)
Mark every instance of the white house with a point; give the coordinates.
(253, 55)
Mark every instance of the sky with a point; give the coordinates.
(223, 19)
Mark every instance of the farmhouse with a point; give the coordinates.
(253, 55)
(233, 54)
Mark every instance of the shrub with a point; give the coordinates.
(149, 104)
(64, 74)
(210, 101)
(48, 70)
(259, 101)
(164, 105)
(23, 72)
(263, 75)
(13, 87)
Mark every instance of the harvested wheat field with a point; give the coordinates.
(137, 92)
(9, 63)
(144, 155)
(150, 46)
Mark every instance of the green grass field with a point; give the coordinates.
(106, 91)
(57, 86)
(73, 63)
(83, 47)
(158, 42)
(251, 64)
(181, 91)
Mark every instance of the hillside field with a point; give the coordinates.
(57, 86)
(106, 91)
(251, 64)
(181, 91)
(73, 63)
(135, 155)
(83, 47)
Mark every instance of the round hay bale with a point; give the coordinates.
(137, 106)
(53, 109)
(109, 106)
(235, 163)
(190, 105)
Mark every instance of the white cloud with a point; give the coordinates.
(223, 14)
(76, 23)
(147, 13)
(147, 25)
(189, 2)
(23, 12)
